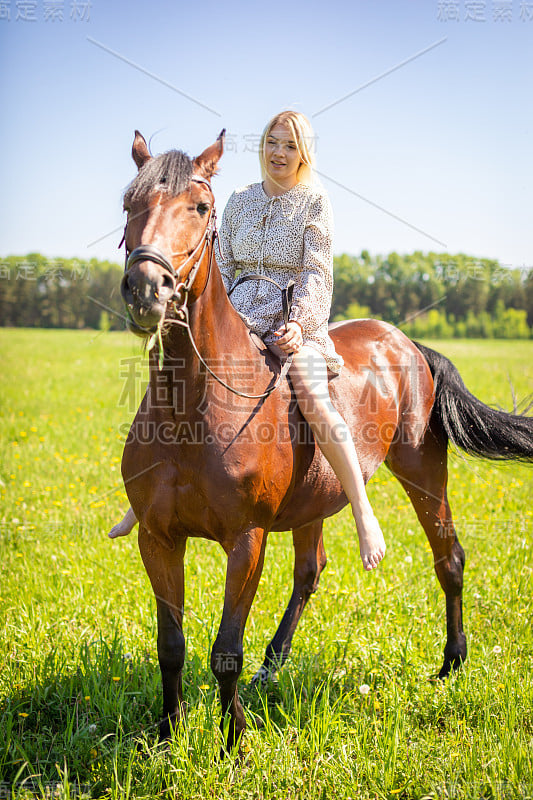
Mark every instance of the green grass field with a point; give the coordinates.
(79, 681)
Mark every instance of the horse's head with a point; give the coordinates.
(170, 209)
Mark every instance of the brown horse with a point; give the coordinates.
(202, 460)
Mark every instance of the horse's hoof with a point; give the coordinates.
(450, 665)
(167, 726)
(236, 752)
(454, 657)
(143, 749)
(262, 678)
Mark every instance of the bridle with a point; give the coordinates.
(148, 252)
(180, 296)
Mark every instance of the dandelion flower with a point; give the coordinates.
(496, 649)
(364, 688)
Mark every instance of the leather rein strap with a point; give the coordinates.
(148, 252)
(286, 292)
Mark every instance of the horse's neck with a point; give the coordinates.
(223, 341)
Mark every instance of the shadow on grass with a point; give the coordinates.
(80, 725)
(68, 720)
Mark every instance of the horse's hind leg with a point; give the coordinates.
(423, 473)
(309, 561)
(165, 570)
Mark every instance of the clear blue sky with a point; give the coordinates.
(442, 142)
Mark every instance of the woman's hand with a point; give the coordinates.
(291, 338)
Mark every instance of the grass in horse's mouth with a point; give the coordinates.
(150, 342)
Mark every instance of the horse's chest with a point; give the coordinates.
(229, 488)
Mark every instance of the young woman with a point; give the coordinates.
(282, 228)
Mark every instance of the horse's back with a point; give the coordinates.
(386, 386)
(357, 336)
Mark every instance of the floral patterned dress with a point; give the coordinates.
(288, 236)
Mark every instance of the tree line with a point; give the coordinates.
(432, 295)
(41, 292)
(436, 295)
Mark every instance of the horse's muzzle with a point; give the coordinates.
(146, 292)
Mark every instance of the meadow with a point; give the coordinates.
(356, 712)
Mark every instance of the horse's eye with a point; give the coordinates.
(202, 208)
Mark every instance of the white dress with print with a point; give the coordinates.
(285, 237)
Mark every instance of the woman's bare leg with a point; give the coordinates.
(309, 379)
(125, 526)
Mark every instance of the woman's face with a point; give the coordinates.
(281, 155)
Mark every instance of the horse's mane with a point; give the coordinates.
(170, 172)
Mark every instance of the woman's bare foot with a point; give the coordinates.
(371, 542)
(125, 526)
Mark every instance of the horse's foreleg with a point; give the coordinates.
(245, 564)
(423, 474)
(309, 561)
(165, 570)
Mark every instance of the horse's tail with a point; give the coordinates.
(471, 425)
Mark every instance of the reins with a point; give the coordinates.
(148, 252)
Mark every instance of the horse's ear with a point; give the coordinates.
(206, 162)
(139, 150)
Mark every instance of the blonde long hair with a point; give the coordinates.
(303, 135)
